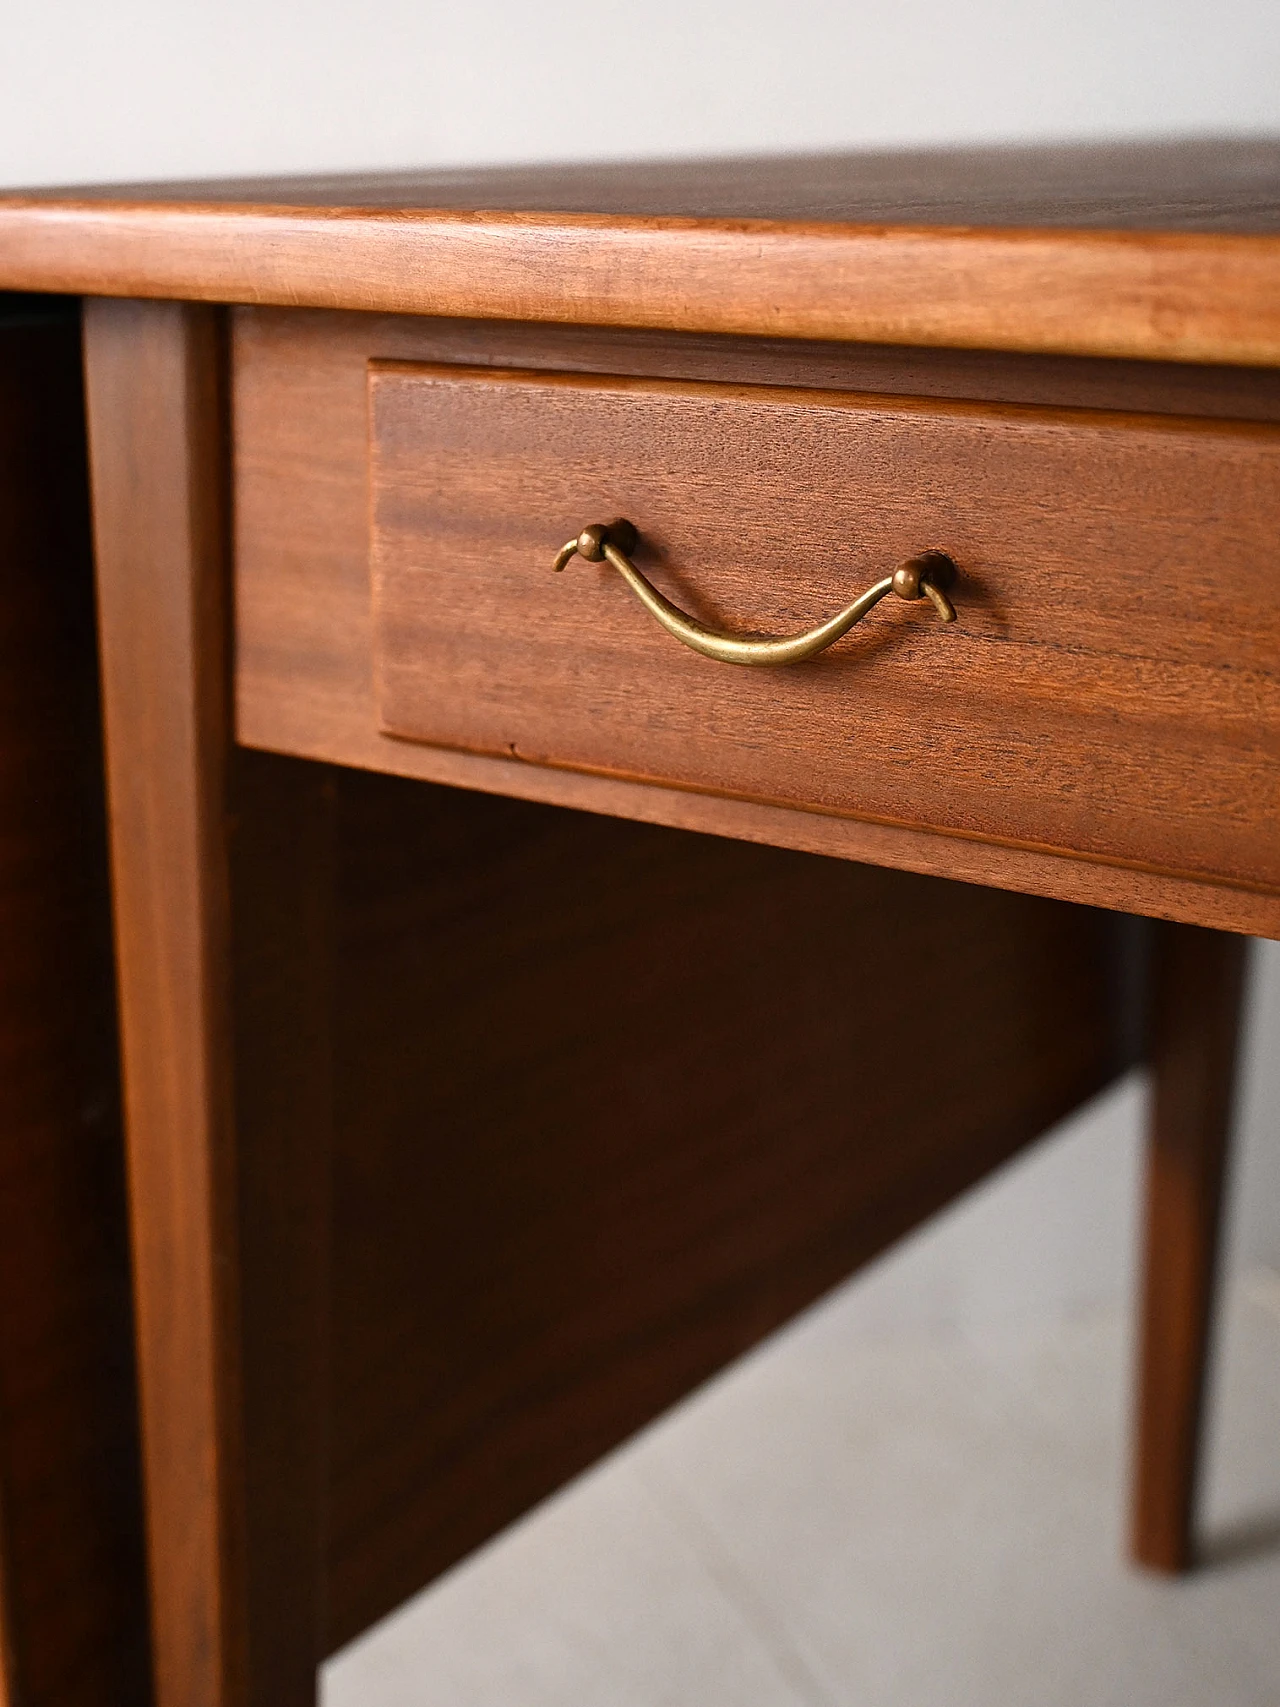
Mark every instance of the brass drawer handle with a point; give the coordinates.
(925, 576)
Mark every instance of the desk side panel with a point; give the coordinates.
(613, 1102)
(73, 1621)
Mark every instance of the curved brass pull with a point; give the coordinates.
(925, 576)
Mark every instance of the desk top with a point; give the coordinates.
(1166, 251)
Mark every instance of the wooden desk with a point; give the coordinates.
(465, 1133)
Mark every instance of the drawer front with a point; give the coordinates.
(1111, 687)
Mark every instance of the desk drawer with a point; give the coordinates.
(1111, 687)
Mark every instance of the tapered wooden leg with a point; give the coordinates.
(1198, 978)
(220, 888)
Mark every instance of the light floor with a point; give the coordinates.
(855, 1517)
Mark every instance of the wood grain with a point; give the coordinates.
(1112, 687)
(313, 338)
(614, 1102)
(1188, 184)
(304, 681)
(1198, 985)
(220, 908)
(282, 870)
(1154, 254)
(152, 401)
(73, 1621)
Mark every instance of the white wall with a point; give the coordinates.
(94, 90)
(155, 88)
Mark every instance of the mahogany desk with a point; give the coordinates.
(465, 1132)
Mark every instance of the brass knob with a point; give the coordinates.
(925, 576)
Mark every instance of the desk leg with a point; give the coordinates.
(1198, 978)
(220, 894)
